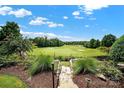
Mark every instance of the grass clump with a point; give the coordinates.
(41, 63)
(85, 65)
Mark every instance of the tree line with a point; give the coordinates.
(45, 42)
(107, 41)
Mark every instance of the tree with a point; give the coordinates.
(10, 30)
(12, 41)
(96, 43)
(117, 50)
(92, 43)
(108, 40)
(45, 42)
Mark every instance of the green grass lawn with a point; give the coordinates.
(68, 50)
(8, 81)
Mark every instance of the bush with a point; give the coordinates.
(117, 50)
(10, 60)
(41, 63)
(64, 58)
(85, 65)
(104, 49)
(110, 71)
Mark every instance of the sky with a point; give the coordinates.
(66, 22)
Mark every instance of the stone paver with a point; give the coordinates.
(66, 78)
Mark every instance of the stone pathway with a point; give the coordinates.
(66, 78)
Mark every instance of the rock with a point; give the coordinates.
(101, 76)
(29, 79)
(121, 66)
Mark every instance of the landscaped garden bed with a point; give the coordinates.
(96, 82)
(41, 80)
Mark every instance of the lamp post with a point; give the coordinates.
(53, 74)
(88, 82)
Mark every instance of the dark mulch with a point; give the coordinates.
(80, 80)
(41, 80)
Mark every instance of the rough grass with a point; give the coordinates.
(41, 63)
(68, 50)
(9, 81)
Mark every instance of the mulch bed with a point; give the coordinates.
(96, 82)
(41, 80)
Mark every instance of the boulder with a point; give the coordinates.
(101, 76)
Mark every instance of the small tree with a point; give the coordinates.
(117, 50)
(108, 40)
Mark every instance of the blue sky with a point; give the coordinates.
(68, 23)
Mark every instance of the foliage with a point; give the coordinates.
(108, 40)
(11, 41)
(117, 50)
(74, 42)
(41, 63)
(64, 58)
(18, 46)
(92, 43)
(9, 81)
(110, 71)
(104, 49)
(9, 31)
(85, 65)
(9, 60)
(45, 42)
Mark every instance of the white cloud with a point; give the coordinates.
(5, 10)
(52, 24)
(65, 17)
(38, 21)
(90, 7)
(86, 26)
(42, 34)
(20, 12)
(76, 13)
(44, 21)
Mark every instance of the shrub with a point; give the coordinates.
(41, 63)
(64, 58)
(110, 71)
(10, 60)
(117, 50)
(85, 65)
(104, 49)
